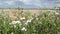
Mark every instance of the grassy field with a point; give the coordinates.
(17, 21)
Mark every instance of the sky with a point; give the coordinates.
(29, 3)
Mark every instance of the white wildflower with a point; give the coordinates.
(29, 20)
(26, 23)
(22, 18)
(12, 33)
(15, 22)
(18, 22)
(24, 29)
(56, 13)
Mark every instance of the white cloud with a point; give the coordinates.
(10, 2)
(32, 2)
(26, 1)
(37, 3)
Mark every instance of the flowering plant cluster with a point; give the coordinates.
(45, 23)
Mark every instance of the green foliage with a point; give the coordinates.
(45, 23)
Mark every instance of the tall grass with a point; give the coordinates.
(45, 23)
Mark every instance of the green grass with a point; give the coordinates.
(45, 23)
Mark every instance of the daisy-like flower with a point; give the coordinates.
(24, 29)
(15, 22)
(56, 13)
(22, 18)
(12, 33)
(29, 20)
(26, 23)
(40, 22)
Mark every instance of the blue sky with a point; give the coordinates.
(29, 3)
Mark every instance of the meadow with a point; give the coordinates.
(17, 21)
